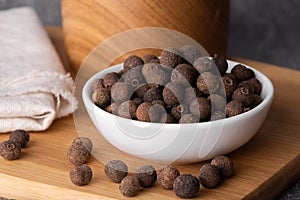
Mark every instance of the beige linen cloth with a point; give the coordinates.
(34, 87)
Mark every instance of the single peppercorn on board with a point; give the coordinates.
(263, 167)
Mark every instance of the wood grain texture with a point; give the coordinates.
(263, 167)
(87, 23)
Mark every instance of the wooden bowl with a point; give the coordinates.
(86, 23)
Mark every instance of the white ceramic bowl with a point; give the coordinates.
(180, 143)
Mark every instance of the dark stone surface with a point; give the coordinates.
(264, 30)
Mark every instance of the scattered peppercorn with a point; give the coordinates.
(186, 186)
(234, 108)
(21, 137)
(207, 83)
(121, 91)
(85, 141)
(242, 73)
(189, 53)
(166, 176)
(129, 186)
(81, 175)
(209, 176)
(146, 175)
(133, 61)
(110, 78)
(101, 97)
(170, 57)
(224, 164)
(78, 153)
(10, 150)
(116, 170)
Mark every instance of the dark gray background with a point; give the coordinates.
(264, 30)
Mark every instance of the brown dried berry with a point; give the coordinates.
(10, 150)
(243, 95)
(121, 91)
(110, 78)
(229, 83)
(78, 153)
(132, 61)
(153, 94)
(149, 58)
(256, 85)
(224, 164)
(98, 83)
(21, 137)
(234, 108)
(154, 73)
(138, 101)
(184, 74)
(146, 176)
(189, 53)
(242, 73)
(256, 100)
(87, 142)
(221, 64)
(140, 91)
(134, 77)
(150, 113)
(81, 175)
(101, 97)
(113, 108)
(127, 109)
(218, 102)
(160, 102)
(129, 186)
(209, 176)
(191, 93)
(172, 93)
(116, 170)
(203, 64)
(186, 186)
(207, 83)
(188, 118)
(201, 107)
(178, 110)
(166, 176)
(167, 118)
(217, 116)
(170, 57)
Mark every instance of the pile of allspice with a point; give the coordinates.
(180, 86)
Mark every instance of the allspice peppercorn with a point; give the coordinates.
(221, 64)
(87, 142)
(78, 153)
(178, 110)
(230, 84)
(150, 58)
(242, 73)
(184, 74)
(186, 186)
(207, 83)
(101, 97)
(209, 176)
(81, 175)
(243, 95)
(153, 94)
(121, 91)
(201, 107)
(155, 73)
(256, 85)
(110, 78)
(146, 175)
(234, 108)
(133, 61)
(170, 57)
(127, 109)
(190, 93)
(166, 176)
(172, 93)
(113, 108)
(10, 150)
(203, 64)
(116, 170)
(129, 186)
(140, 91)
(134, 77)
(218, 102)
(21, 137)
(189, 53)
(98, 83)
(188, 118)
(224, 164)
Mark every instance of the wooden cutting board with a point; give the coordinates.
(263, 167)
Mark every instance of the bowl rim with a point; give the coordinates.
(89, 104)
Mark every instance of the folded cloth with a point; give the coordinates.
(34, 87)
